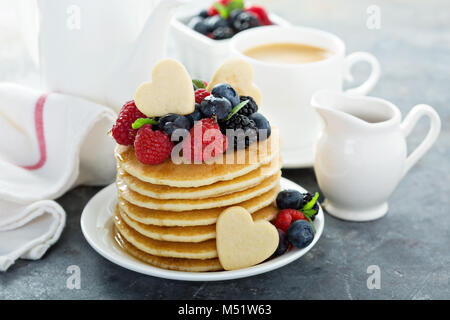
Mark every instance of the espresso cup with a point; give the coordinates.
(287, 88)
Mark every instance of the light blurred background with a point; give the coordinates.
(414, 35)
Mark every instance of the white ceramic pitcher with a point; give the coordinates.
(361, 154)
(101, 49)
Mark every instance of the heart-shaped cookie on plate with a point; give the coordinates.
(170, 91)
(242, 243)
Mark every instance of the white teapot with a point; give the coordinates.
(103, 49)
(361, 155)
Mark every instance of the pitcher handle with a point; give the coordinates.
(408, 125)
(356, 57)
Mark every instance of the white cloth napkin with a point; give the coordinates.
(49, 143)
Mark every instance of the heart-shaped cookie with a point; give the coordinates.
(170, 91)
(237, 73)
(241, 242)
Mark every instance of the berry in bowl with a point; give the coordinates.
(224, 18)
(204, 31)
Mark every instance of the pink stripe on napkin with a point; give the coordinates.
(39, 125)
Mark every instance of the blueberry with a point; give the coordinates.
(289, 199)
(203, 14)
(300, 234)
(215, 22)
(171, 122)
(283, 243)
(164, 119)
(195, 116)
(215, 106)
(233, 14)
(244, 21)
(222, 33)
(198, 24)
(262, 124)
(226, 91)
(195, 87)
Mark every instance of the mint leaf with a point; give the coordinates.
(312, 224)
(199, 83)
(143, 121)
(309, 212)
(235, 4)
(236, 109)
(311, 203)
(221, 9)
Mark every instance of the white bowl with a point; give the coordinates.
(201, 55)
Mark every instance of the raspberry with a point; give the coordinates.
(295, 214)
(152, 147)
(260, 13)
(283, 220)
(212, 11)
(205, 142)
(122, 131)
(201, 94)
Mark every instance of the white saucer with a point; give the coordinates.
(96, 224)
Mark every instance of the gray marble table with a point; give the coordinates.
(411, 245)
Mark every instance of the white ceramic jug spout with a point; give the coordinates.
(327, 104)
(136, 65)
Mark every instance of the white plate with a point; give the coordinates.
(96, 224)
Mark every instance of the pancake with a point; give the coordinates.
(196, 175)
(178, 264)
(220, 188)
(193, 217)
(188, 234)
(196, 204)
(187, 250)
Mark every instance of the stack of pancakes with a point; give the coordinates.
(166, 214)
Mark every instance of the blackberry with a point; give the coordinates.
(307, 197)
(222, 33)
(243, 131)
(250, 108)
(316, 208)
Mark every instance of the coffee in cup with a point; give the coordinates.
(288, 84)
(288, 53)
